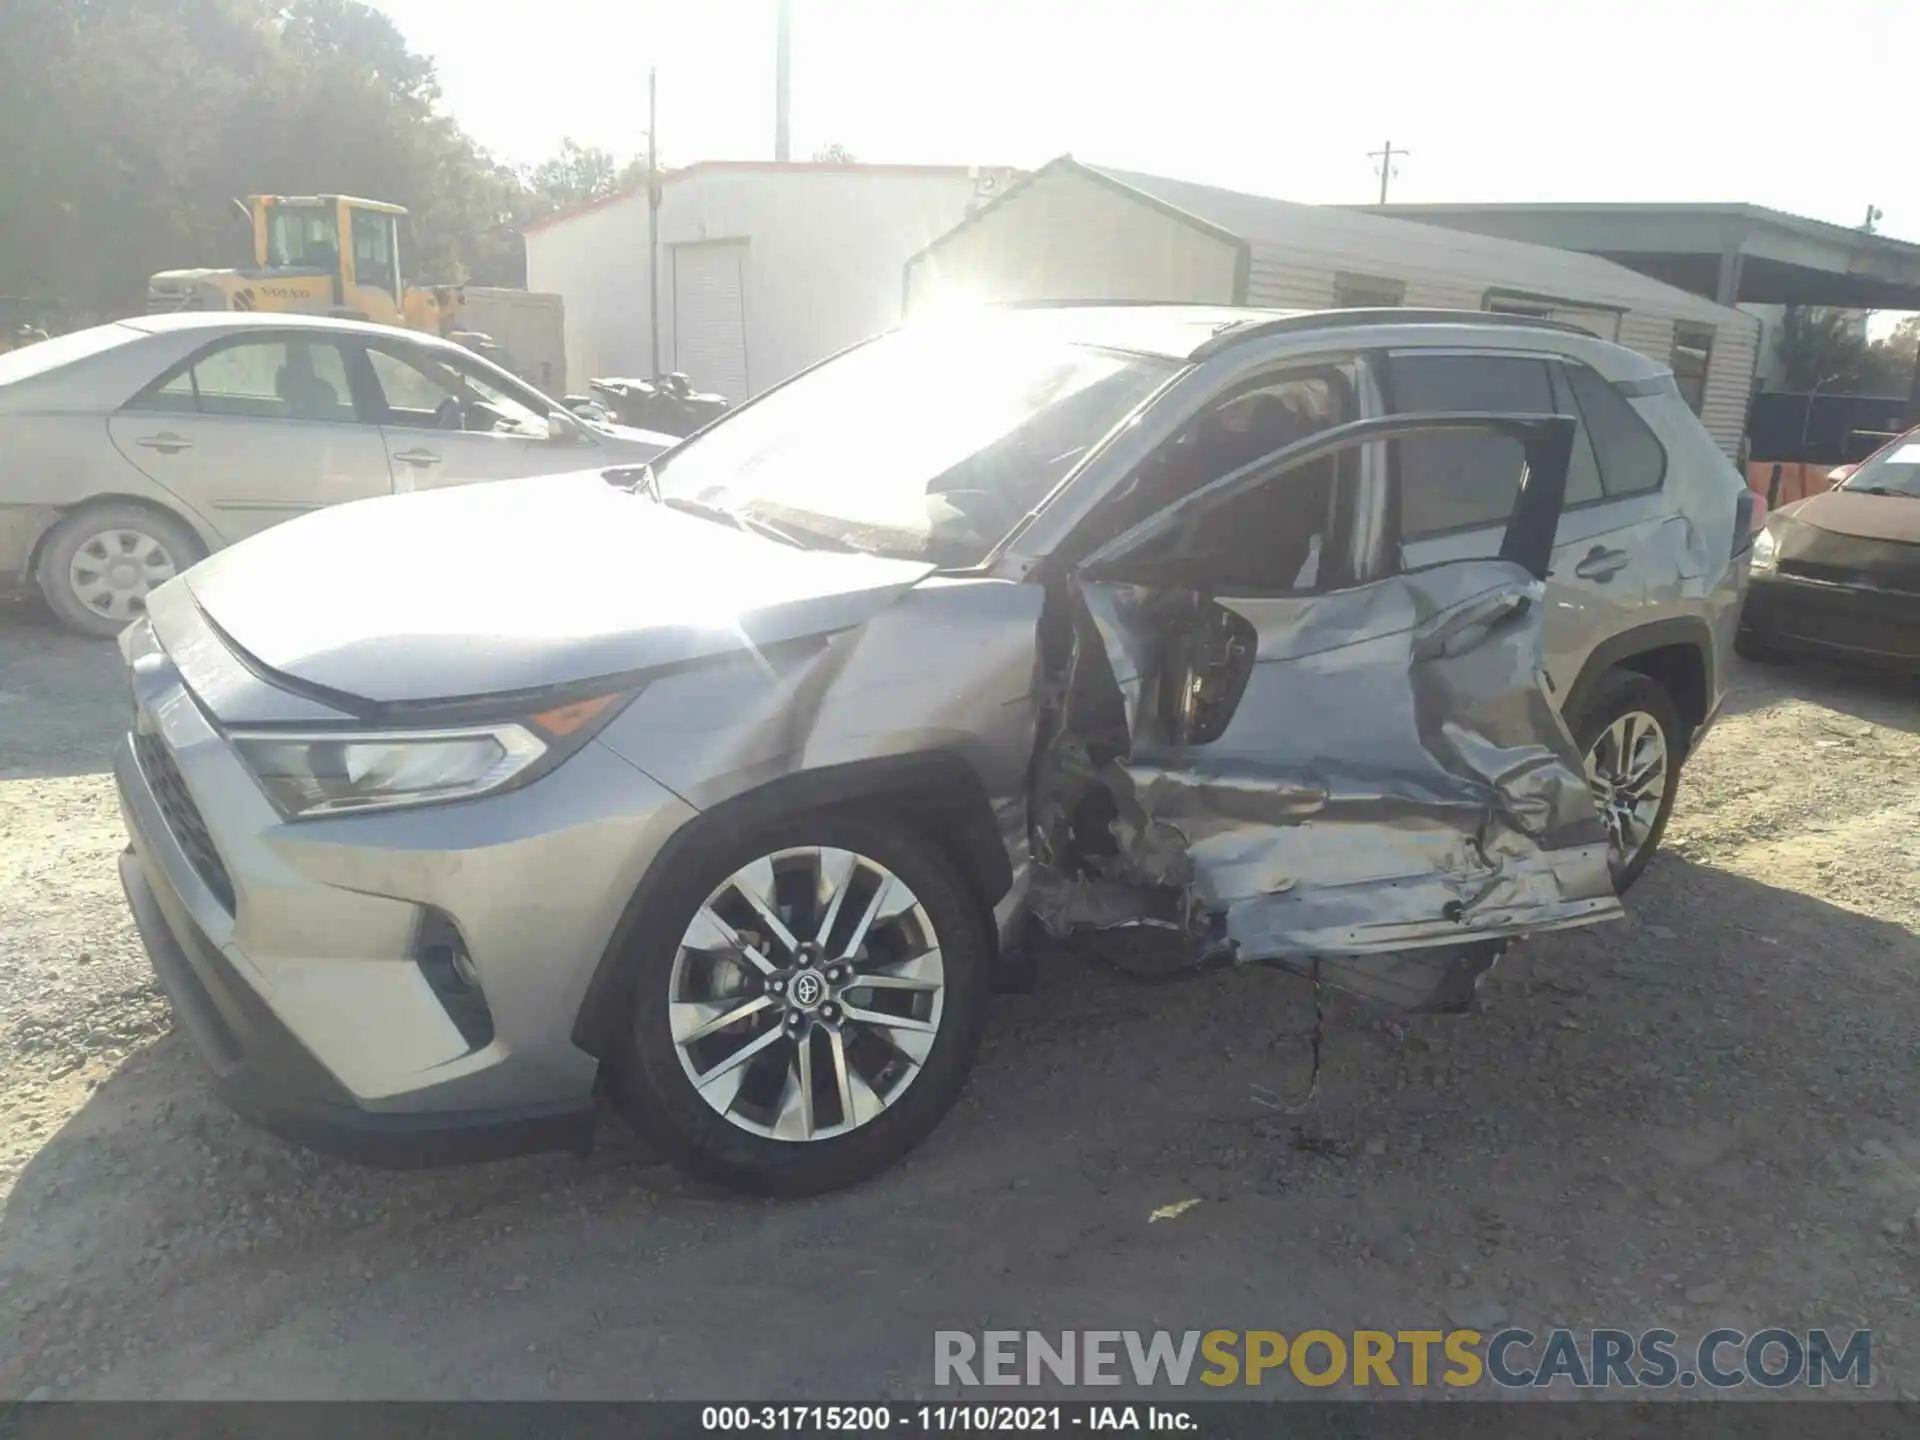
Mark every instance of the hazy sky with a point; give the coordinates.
(1804, 107)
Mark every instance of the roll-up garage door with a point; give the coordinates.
(710, 315)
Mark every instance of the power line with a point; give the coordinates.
(1386, 168)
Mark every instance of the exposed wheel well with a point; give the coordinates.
(1681, 671)
(1675, 654)
(938, 796)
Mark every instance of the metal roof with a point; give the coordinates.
(1352, 238)
(1760, 256)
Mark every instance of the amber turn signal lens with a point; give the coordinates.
(564, 720)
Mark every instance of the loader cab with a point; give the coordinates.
(354, 244)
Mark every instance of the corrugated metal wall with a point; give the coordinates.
(1730, 384)
(1729, 369)
(1288, 283)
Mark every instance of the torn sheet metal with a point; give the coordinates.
(1389, 774)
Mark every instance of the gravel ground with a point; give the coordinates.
(1706, 1117)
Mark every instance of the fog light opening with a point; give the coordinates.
(448, 968)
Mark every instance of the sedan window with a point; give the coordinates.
(431, 392)
(260, 380)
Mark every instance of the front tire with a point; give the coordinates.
(99, 564)
(1633, 739)
(815, 1015)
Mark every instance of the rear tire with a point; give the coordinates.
(99, 563)
(872, 1091)
(1632, 735)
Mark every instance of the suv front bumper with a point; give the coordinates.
(296, 955)
(263, 1072)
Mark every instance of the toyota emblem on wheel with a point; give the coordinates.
(808, 989)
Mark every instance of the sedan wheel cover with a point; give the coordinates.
(806, 994)
(1628, 773)
(113, 570)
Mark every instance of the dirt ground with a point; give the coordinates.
(1706, 1117)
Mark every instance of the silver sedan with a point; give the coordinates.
(131, 450)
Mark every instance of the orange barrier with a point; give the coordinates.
(1797, 481)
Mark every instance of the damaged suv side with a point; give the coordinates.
(1229, 632)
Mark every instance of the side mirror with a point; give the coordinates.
(562, 428)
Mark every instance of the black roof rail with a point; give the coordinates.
(1256, 329)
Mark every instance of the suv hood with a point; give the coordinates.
(519, 585)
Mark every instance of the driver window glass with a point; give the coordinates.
(1285, 533)
(424, 391)
(1253, 420)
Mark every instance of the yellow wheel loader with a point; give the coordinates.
(317, 255)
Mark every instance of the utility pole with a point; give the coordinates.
(783, 82)
(1874, 216)
(1386, 168)
(653, 224)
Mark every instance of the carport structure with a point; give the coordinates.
(1733, 254)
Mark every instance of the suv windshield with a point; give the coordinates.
(1894, 471)
(928, 444)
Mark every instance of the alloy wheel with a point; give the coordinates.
(1628, 772)
(806, 993)
(113, 571)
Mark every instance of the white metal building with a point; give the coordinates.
(765, 268)
(1072, 231)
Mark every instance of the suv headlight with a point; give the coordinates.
(1766, 551)
(317, 773)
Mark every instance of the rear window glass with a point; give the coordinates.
(1470, 481)
(1632, 459)
(45, 355)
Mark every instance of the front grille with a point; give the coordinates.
(1842, 575)
(182, 815)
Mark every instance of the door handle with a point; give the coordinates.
(166, 442)
(417, 457)
(1600, 563)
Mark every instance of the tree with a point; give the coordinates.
(834, 154)
(577, 175)
(130, 127)
(1891, 361)
(1822, 349)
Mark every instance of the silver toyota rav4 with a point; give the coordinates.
(727, 787)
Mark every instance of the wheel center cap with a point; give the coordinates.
(807, 989)
(123, 577)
